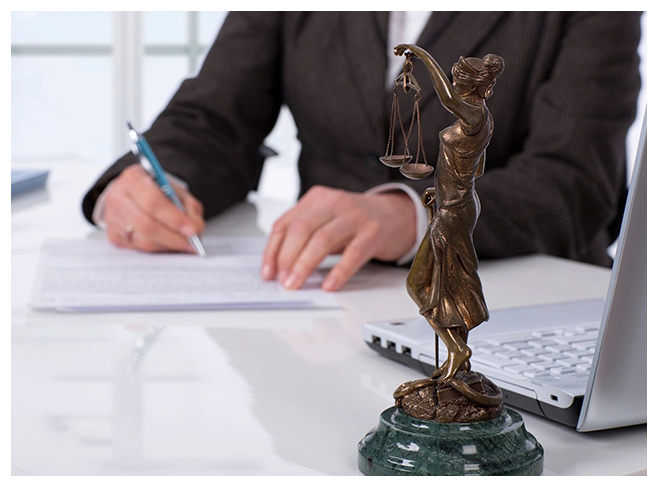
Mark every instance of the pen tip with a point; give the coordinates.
(130, 127)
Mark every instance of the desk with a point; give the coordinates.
(259, 392)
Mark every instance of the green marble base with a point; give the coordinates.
(404, 445)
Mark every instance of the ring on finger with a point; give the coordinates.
(128, 233)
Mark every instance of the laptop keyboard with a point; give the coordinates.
(544, 355)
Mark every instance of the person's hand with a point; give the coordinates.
(329, 221)
(139, 216)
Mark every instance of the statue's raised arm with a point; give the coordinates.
(469, 114)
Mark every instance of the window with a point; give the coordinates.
(56, 57)
(78, 76)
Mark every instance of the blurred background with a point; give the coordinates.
(78, 76)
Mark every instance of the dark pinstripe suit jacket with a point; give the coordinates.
(555, 174)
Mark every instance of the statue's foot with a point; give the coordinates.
(439, 372)
(456, 360)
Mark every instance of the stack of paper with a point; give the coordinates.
(92, 275)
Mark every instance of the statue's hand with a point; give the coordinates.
(429, 197)
(400, 49)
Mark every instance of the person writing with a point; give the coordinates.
(555, 176)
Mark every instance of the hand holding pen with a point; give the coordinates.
(138, 215)
(149, 161)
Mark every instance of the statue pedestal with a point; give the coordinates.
(404, 445)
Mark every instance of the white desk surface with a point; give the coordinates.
(258, 392)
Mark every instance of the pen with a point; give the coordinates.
(146, 157)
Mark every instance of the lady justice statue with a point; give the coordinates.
(443, 280)
(456, 410)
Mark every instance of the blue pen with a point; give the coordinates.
(146, 157)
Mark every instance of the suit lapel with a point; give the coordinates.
(447, 36)
(364, 36)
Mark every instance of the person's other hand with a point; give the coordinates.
(139, 216)
(330, 221)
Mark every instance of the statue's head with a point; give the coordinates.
(477, 76)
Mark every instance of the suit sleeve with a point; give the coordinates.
(559, 194)
(210, 132)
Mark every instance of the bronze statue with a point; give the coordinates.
(454, 422)
(443, 280)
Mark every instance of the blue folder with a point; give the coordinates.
(23, 181)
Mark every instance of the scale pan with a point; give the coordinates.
(417, 171)
(395, 161)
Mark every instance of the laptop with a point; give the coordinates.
(584, 363)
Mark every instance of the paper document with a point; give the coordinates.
(92, 275)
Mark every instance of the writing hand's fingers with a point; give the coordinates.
(150, 244)
(147, 197)
(118, 237)
(147, 234)
(193, 208)
(328, 239)
(298, 234)
(357, 253)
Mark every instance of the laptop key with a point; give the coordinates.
(503, 340)
(557, 369)
(584, 337)
(585, 367)
(541, 343)
(528, 359)
(584, 345)
(543, 334)
(564, 349)
(534, 351)
(570, 362)
(564, 371)
(491, 348)
(544, 365)
(492, 361)
(573, 337)
(518, 346)
(536, 374)
(518, 369)
(554, 356)
(588, 328)
(510, 354)
(576, 353)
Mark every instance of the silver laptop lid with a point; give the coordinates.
(617, 389)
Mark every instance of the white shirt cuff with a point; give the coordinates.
(421, 215)
(98, 215)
